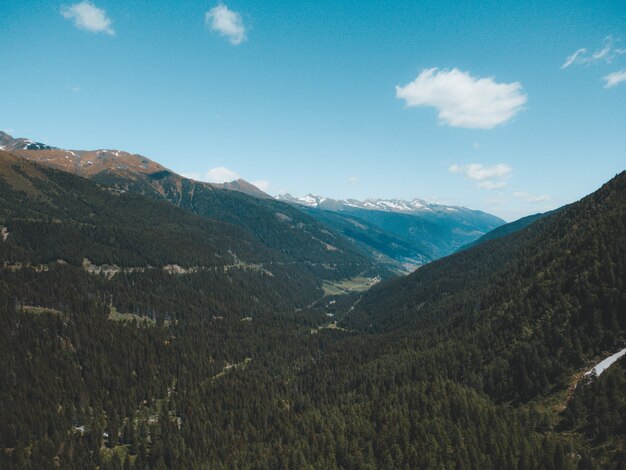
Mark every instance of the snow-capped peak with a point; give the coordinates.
(386, 205)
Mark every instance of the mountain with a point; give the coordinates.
(280, 227)
(243, 187)
(10, 144)
(474, 361)
(89, 163)
(429, 231)
(152, 321)
(80, 162)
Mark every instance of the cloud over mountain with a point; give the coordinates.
(476, 171)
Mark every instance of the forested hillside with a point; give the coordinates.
(545, 299)
(397, 253)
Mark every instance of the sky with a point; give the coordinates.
(508, 107)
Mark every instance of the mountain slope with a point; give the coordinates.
(397, 253)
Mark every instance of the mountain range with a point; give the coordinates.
(388, 205)
(395, 235)
(407, 233)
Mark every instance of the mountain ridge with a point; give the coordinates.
(89, 163)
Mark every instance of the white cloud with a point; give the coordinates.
(462, 100)
(263, 185)
(486, 177)
(353, 180)
(227, 23)
(496, 201)
(614, 78)
(86, 15)
(220, 174)
(525, 197)
(491, 184)
(478, 172)
(605, 54)
(572, 58)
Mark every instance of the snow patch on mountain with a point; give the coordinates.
(606, 363)
(310, 200)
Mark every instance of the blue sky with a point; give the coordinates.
(452, 102)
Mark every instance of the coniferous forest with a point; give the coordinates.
(137, 333)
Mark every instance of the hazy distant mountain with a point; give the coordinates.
(428, 230)
(507, 229)
(397, 253)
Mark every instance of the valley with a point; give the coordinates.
(293, 341)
